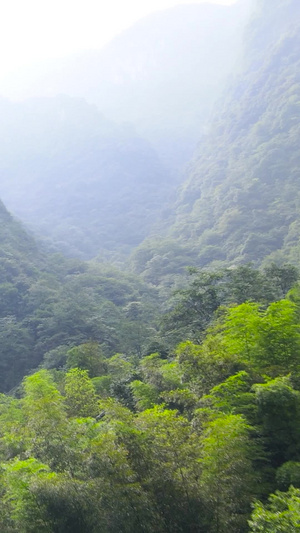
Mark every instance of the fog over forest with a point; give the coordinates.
(154, 87)
(149, 267)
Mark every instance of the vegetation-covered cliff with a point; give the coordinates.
(240, 201)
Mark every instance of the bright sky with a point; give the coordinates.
(34, 29)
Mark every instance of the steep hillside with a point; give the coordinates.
(13, 238)
(241, 199)
(19, 256)
(20, 266)
(163, 74)
(78, 179)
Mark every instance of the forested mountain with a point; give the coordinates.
(80, 180)
(126, 406)
(163, 74)
(240, 201)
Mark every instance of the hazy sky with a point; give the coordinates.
(34, 29)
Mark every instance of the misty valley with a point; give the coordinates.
(150, 279)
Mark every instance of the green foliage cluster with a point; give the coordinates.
(189, 310)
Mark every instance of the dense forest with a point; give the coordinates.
(141, 411)
(150, 319)
(168, 434)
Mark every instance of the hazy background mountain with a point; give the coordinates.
(163, 74)
(77, 178)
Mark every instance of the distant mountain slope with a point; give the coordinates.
(77, 178)
(241, 199)
(163, 74)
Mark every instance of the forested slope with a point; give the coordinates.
(240, 201)
(16, 243)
